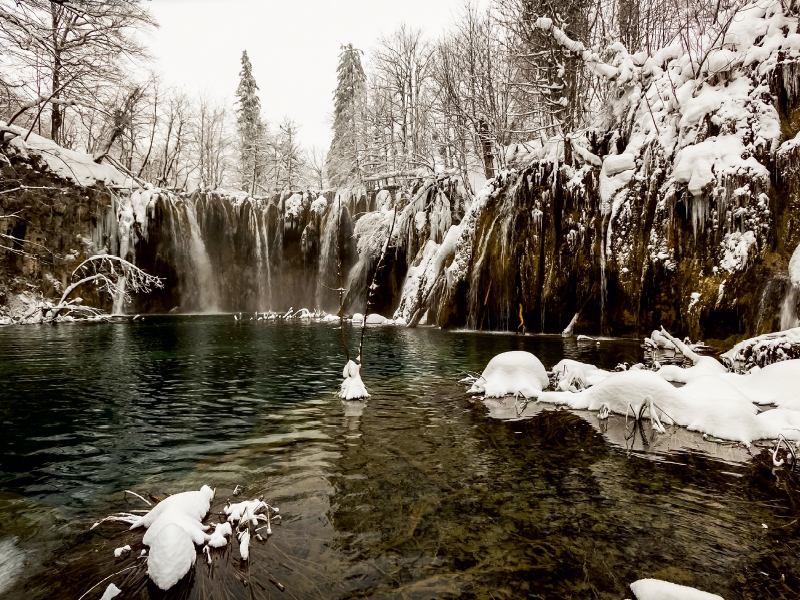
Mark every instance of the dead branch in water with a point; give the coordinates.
(341, 289)
(373, 286)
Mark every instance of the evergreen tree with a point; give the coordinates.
(249, 125)
(343, 161)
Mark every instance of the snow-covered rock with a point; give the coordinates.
(111, 592)
(725, 413)
(655, 589)
(376, 319)
(171, 556)
(192, 504)
(515, 372)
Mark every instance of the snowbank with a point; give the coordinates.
(72, 166)
(725, 413)
(515, 372)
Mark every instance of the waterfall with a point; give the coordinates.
(327, 257)
(603, 281)
(264, 260)
(126, 219)
(206, 284)
(789, 308)
(256, 217)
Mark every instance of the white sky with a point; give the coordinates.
(293, 46)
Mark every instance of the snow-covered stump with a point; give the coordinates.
(352, 387)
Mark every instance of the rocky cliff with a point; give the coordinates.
(679, 208)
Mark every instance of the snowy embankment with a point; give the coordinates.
(694, 141)
(174, 528)
(713, 401)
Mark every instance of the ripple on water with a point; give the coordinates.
(416, 492)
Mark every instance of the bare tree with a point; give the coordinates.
(111, 275)
(61, 50)
(315, 162)
(211, 143)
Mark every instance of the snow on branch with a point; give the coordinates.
(591, 59)
(106, 271)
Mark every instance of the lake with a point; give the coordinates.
(419, 492)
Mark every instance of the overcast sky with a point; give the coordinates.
(293, 45)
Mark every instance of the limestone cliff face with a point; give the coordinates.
(49, 224)
(679, 209)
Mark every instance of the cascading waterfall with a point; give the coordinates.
(603, 276)
(789, 308)
(327, 258)
(206, 284)
(126, 219)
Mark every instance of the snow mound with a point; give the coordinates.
(764, 349)
(171, 556)
(573, 375)
(514, 372)
(352, 386)
(709, 405)
(193, 528)
(217, 539)
(655, 589)
(357, 318)
(774, 384)
(376, 319)
(192, 504)
(173, 528)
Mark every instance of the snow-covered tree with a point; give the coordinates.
(60, 52)
(250, 127)
(343, 157)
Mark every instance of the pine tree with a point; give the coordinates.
(250, 127)
(343, 161)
